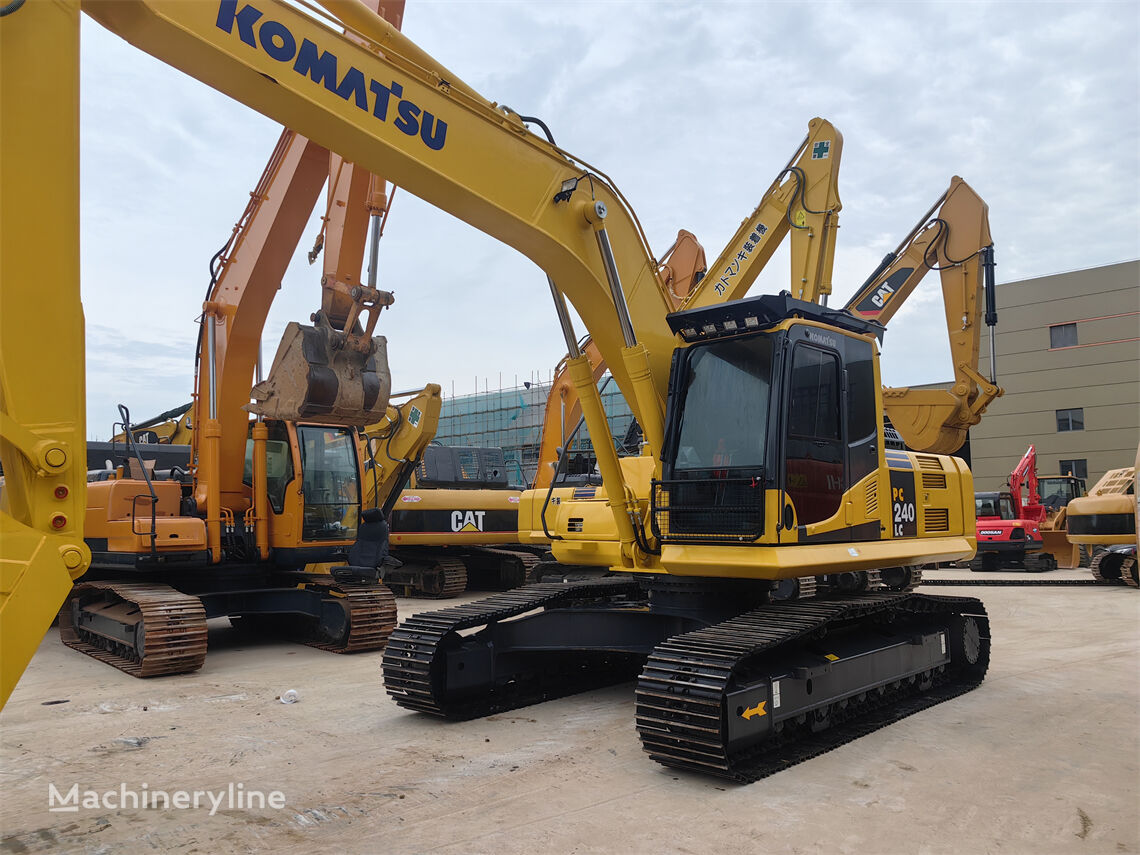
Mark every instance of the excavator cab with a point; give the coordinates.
(321, 462)
(1057, 491)
(794, 411)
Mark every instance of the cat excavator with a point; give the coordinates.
(764, 449)
(1106, 522)
(953, 238)
(173, 427)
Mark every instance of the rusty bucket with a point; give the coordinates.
(317, 375)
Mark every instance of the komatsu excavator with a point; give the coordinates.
(953, 237)
(764, 451)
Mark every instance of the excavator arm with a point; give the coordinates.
(392, 110)
(1024, 476)
(956, 242)
(395, 445)
(803, 201)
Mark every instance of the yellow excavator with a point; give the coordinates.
(174, 427)
(952, 237)
(764, 452)
(1106, 522)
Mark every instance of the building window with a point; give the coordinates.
(1063, 335)
(1078, 468)
(1071, 419)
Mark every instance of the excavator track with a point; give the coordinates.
(414, 660)
(1003, 583)
(173, 627)
(371, 616)
(449, 578)
(1121, 569)
(1040, 562)
(431, 579)
(684, 706)
(1128, 572)
(495, 568)
(809, 587)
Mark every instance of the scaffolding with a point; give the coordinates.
(511, 419)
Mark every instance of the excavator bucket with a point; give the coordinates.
(316, 375)
(928, 419)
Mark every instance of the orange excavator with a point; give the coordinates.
(232, 531)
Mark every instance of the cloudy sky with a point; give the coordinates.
(691, 108)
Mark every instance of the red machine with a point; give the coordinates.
(1009, 529)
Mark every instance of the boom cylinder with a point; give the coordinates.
(211, 342)
(991, 307)
(564, 320)
(615, 284)
(603, 441)
(582, 375)
(260, 489)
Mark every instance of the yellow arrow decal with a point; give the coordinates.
(755, 711)
(832, 657)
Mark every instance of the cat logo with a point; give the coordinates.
(467, 520)
(881, 297)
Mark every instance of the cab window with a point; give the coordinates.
(814, 452)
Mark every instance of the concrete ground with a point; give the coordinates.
(1043, 758)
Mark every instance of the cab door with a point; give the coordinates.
(814, 449)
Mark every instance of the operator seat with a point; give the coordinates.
(370, 551)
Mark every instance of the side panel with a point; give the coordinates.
(438, 517)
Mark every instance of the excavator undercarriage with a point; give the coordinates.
(727, 683)
(150, 629)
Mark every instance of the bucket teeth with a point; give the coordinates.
(315, 375)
